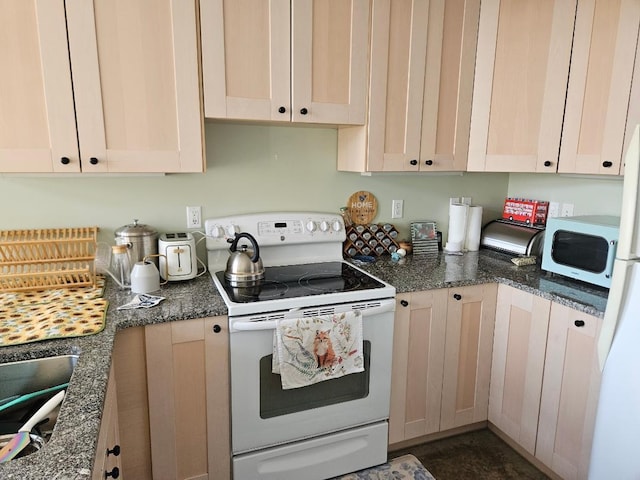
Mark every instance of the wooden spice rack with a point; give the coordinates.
(373, 240)
(47, 258)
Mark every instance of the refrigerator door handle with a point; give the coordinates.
(628, 247)
(617, 293)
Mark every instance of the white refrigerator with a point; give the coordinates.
(615, 452)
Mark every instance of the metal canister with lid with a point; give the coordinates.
(141, 240)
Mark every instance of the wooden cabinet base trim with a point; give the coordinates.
(432, 437)
(528, 457)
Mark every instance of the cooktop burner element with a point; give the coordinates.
(303, 280)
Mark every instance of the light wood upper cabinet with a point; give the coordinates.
(469, 339)
(420, 88)
(602, 63)
(519, 346)
(522, 67)
(133, 69)
(533, 56)
(286, 60)
(570, 392)
(37, 118)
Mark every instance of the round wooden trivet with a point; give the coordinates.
(363, 207)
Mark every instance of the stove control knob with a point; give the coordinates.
(324, 226)
(336, 225)
(232, 230)
(311, 226)
(217, 232)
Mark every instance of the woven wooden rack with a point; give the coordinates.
(47, 258)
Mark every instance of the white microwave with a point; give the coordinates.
(582, 247)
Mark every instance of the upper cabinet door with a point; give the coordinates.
(602, 62)
(329, 44)
(286, 60)
(136, 85)
(521, 75)
(37, 121)
(422, 62)
(246, 59)
(448, 86)
(398, 56)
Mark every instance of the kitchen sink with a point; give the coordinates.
(28, 376)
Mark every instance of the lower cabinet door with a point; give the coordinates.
(471, 314)
(519, 345)
(188, 384)
(570, 392)
(108, 449)
(418, 355)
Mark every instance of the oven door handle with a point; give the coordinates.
(271, 324)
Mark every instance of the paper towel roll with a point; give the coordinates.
(474, 227)
(457, 226)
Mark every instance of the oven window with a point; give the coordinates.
(584, 252)
(274, 401)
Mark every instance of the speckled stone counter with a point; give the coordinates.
(415, 273)
(71, 451)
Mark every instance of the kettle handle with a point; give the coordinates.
(254, 243)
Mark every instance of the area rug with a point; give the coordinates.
(406, 467)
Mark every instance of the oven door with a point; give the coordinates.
(264, 415)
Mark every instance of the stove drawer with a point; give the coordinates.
(321, 457)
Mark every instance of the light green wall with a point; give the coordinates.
(594, 195)
(261, 168)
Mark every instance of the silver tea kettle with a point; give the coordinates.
(244, 266)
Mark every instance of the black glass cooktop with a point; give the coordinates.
(304, 280)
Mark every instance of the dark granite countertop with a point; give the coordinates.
(70, 452)
(415, 273)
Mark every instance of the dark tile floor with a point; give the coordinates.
(479, 455)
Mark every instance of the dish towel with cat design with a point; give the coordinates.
(313, 349)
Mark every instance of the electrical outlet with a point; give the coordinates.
(194, 217)
(567, 210)
(554, 209)
(396, 208)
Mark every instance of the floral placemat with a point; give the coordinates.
(405, 467)
(27, 317)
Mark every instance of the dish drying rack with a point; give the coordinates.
(47, 258)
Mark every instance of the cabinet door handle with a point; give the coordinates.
(303, 111)
(114, 473)
(93, 161)
(404, 303)
(282, 110)
(547, 163)
(457, 296)
(413, 162)
(115, 451)
(607, 164)
(428, 162)
(579, 323)
(65, 160)
(217, 328)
